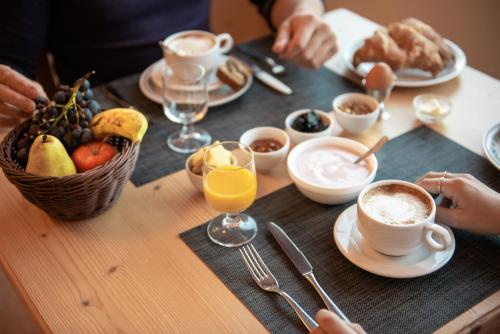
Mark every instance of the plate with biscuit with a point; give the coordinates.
(233, 79)
(418, 55)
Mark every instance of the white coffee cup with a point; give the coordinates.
(208, 52)
(401, 239)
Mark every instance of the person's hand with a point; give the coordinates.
(305, 39)
(474, 207)
(17, 95)
(330, 323)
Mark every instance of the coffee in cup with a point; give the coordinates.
(396, 204)
(198, 47)
(191, 44)
(397, 217)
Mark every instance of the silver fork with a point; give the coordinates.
(266, 280)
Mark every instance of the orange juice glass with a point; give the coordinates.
(230, 189)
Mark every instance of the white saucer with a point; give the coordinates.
(224, 94)
(157, 77)
(352, 245)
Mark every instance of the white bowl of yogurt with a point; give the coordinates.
(323, 169)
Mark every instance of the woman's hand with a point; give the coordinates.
(330, 323)
(17, 95)
(474, 207)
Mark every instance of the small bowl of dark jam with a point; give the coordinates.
(270, 146)
(306, 124)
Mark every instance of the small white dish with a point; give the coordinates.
(223, 95)
(411, 77)
(325, 194)
(352, 245)
(297, 137)
(265, 162)
(431, 108)
(196, 180)
(491, 145)
(157, 78)
(356, 124)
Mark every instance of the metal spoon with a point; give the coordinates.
(381, 142)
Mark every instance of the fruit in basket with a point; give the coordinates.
(128, 123)
(66, 117)
(48, 157)
(91, 155)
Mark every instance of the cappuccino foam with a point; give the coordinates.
(191, 44)
(396, 204)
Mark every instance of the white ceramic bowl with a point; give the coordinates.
(297, 137)
(265, 162)
(328, 194)
(356, 124)
(196, 180)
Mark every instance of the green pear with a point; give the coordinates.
(48, 157)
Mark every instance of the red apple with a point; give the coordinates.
(91, 155)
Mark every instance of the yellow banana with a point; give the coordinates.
(128, 123)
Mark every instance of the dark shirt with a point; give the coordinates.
(113, 37)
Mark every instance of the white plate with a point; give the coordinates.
(352, 245)
(157, 77)
(216, 97)
(412, 77)
(491, 145)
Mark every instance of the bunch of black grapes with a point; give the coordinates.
(66, 117)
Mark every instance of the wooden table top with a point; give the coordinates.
(128, 271)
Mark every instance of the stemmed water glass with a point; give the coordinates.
(185, 101)
(231, 189)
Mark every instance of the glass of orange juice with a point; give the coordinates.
(230, 187)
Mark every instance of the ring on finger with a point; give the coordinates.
(441, 181)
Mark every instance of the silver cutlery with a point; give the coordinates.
(271, 81)
(266, 281)
(273, 65)
(303, 266)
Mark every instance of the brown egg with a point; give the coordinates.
(380, 77)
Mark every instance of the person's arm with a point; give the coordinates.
(303, 36)
(22, 39)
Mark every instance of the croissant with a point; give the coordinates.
(420, 52)
(380, 48)
(433, 36)
(407, 44)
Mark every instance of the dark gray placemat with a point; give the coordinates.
(260, 106)
(380, 305)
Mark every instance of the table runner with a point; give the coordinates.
(260, 106)
(380, 305)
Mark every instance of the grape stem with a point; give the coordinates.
(71, 102)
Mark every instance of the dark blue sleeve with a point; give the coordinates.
(265, 7)
(23, 28)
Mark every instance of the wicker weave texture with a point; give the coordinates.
(73, 197)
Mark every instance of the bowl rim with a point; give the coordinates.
(345, 96)
(298, 112)
(188, 169)
(325, 141)
(280, 151)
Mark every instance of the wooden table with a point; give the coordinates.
(128, 270)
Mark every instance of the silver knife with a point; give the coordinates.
(303, 266)
(271, 81)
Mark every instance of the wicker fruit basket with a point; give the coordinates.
(73, 197)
